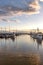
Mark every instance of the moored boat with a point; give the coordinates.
(37, 36)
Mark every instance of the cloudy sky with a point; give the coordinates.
(21, 14)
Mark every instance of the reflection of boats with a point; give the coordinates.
(39, 42)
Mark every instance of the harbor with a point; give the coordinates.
(38, 35)
(21, 48)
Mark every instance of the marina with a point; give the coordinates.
(34, 35)
(21, 32)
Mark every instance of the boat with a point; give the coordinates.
(37, 36)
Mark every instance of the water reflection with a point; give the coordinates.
(21, 49)
(39, 43)
(22, 44)
(13, 39)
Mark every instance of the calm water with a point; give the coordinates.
(22, 47)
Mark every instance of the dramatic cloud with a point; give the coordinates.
(30, 8)
(24, 7)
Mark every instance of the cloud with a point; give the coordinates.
(29, 8)
(35, 5)
(10, 20)
(41, 0)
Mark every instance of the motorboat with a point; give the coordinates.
(36, 36)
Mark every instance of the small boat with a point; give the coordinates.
(37, 36)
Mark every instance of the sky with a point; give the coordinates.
(21, 14)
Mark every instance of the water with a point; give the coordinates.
(23, 50)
